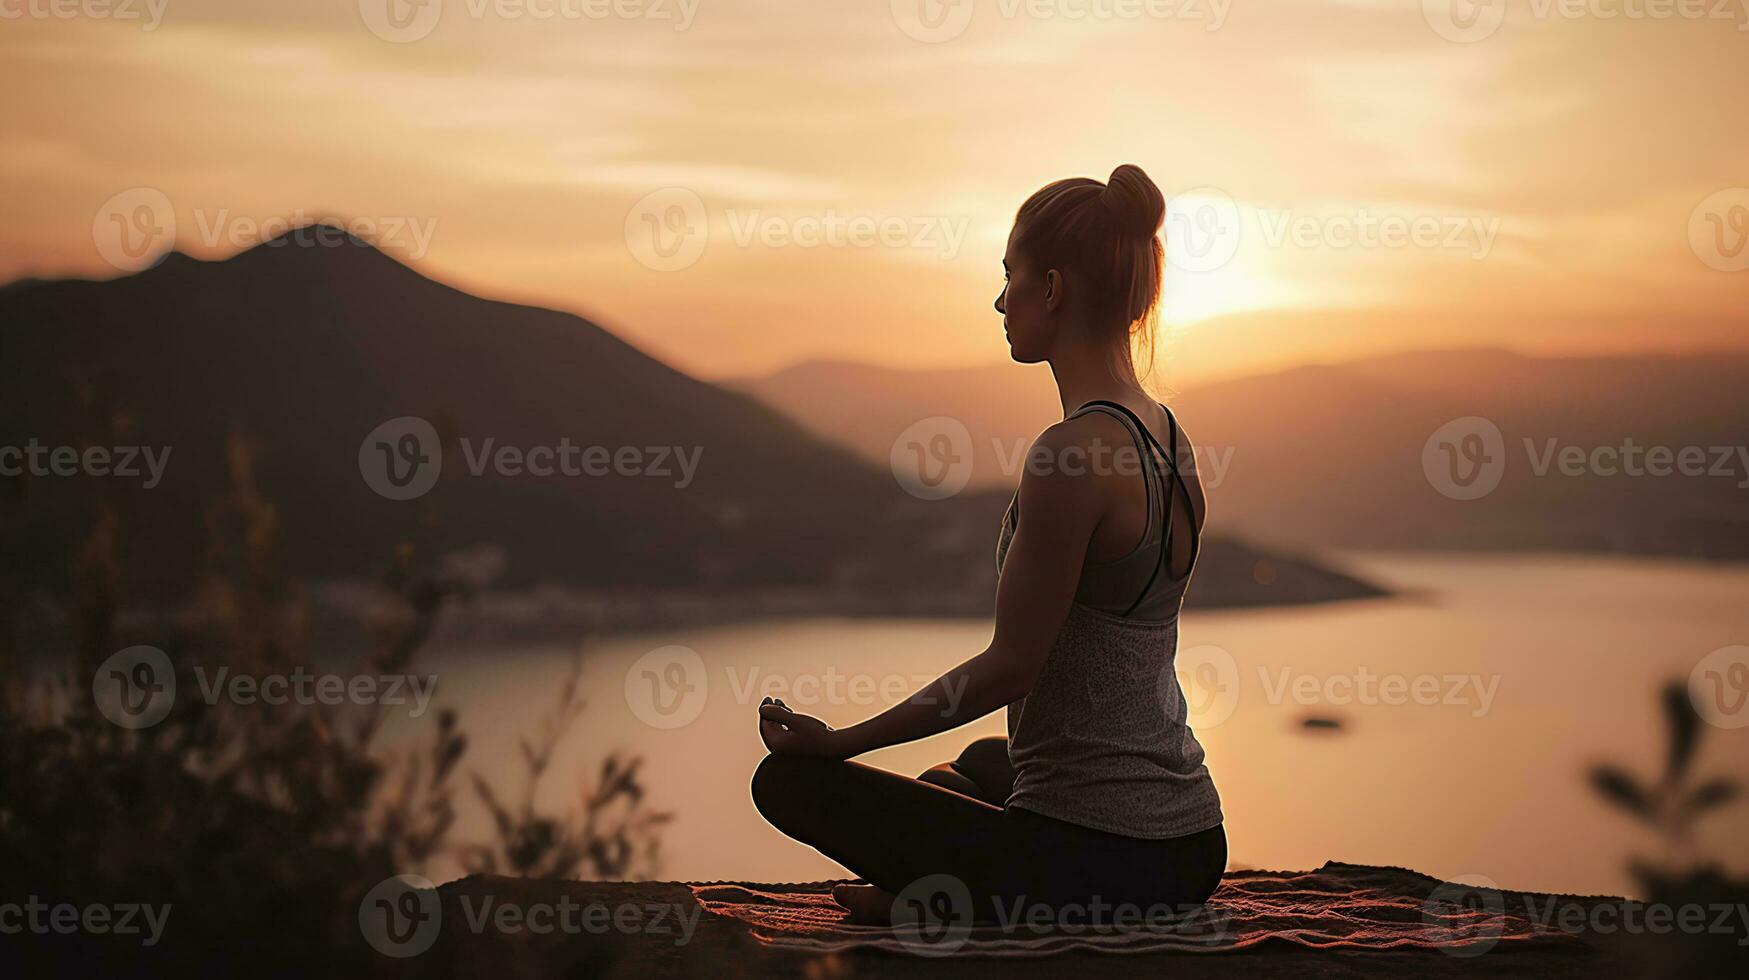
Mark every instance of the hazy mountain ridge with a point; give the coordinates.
(1330, 455)
(305, 349)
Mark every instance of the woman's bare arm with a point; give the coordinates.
(1036, 589)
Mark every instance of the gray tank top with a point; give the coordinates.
(1101, 740)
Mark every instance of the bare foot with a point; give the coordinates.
(867, 905)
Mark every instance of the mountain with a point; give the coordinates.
(866, 407)
(306, 349)
(1332, 455)
(305, 346)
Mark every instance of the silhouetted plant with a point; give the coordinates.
(262, 829)
(616, 838)
(1672, 804)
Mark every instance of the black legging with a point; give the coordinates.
(892, 831)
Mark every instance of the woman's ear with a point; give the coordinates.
(1053, 290)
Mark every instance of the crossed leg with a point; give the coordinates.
(982, 772)
(891, 830)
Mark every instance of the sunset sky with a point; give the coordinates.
(1559, 164)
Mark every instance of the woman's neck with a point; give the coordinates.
(1087, 374)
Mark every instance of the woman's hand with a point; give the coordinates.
(787, 733)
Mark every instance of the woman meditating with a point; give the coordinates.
(1099, 793)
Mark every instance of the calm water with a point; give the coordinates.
(1535, 667)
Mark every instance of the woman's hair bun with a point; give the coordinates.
(1131, 197)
